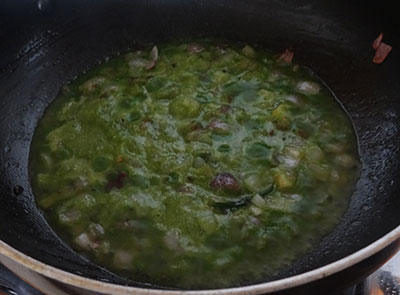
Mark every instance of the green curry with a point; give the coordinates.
(197, 166)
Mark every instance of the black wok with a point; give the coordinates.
(45, 43)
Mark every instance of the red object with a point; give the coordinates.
(287, 55)
(225, 181)
(377, 41)
(381, 53)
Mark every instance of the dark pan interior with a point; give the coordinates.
(45, 43)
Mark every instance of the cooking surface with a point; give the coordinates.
(47, 47)
(385, 281)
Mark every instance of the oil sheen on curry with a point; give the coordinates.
(194, 165)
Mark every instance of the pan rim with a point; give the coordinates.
(268, 287)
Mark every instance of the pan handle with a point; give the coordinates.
(388, 283)
(10, 284)
(6, 289)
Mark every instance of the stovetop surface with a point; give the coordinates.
(385, 281)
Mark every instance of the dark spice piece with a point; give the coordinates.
(117, 182)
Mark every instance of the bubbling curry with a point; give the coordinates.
(195, 165)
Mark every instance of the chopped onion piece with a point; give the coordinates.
(146, 63)
(69, 216)
(194, 48)
(153, 57)
(258, 201)
(218, 126)
(256, 211)
(153, 54)
(83, 241)
(295, 99)
(295, 197)
(254, 220)
(138, 62)
(289, 161)
(96, 230)
(253, 182)
(171, 240)
(308, 87)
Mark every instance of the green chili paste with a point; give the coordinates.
(194, 166)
